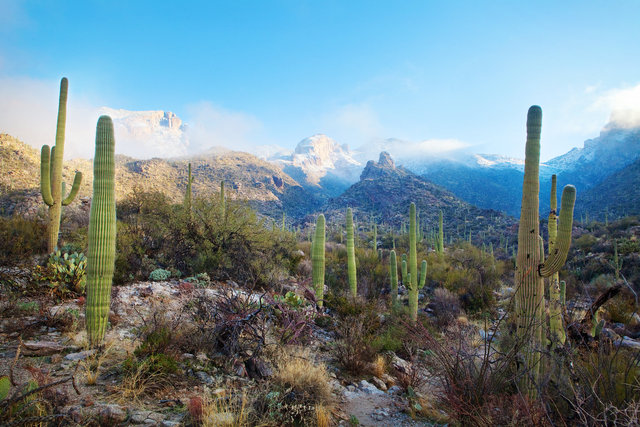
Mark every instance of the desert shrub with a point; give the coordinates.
(64, 274)
(293, 318)
(238, 245)
(299, 391)
(230, 322)
(474, 276)
(585, 242)
(621, 308)
(600, 388)
(373, 274)
(602, 282)
(21, 239)
(159, 275)
(445, 305)
(355, 333)
(478, 387)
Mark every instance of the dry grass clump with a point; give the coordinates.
(299, 392)
(296, 372)
(220, 411)
(379, 366)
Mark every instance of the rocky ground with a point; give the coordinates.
(93, 392)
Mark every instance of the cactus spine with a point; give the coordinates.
(393, 270)
(51, 185)
(317, 259)
(531, 268)
(351, 255)
(413, 265)
(187, 195)
(102, 233)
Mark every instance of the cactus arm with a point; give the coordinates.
(558, 255)
(45, 175)
(405, 281)
(102, 234)
(351, 255)
(77, 180)
(553, 218)
(317, 259)
(423, 274)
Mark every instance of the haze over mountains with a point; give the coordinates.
(320, 170)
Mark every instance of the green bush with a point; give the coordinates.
(240, 246)
(21, 239)
(585, 242)
(159, 275)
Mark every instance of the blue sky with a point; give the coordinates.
(274, 72)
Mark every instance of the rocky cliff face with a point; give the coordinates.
(385, 192)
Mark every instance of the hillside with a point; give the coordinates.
(246, 177)
(619, 194)
(385, 192)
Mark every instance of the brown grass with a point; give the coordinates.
(296, 371)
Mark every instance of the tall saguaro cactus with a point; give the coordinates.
(222, 200)
(351, 255)
(440, 248)
(51, 185)
(102, 233)
(531, 267)
(413, 265)
(317, 259)
(187, 195)
(393, 272)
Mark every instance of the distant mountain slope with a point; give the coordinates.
(386, 191)
(619, 194)
(493, 182)
(247, 177)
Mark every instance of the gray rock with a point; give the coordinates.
(394, 390)
(379, 383)
(368, 388)
(400, 365)
(112, 414)
(627, 342)
(80, 355)
(205, 377)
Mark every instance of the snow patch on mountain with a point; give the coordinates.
(319, 157)
(146, 134)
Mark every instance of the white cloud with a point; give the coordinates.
(353, 124)
(624, 105)
(209, 126)
(29, 110)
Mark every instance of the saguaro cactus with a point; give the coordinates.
(51, 185)
(317, 259)
(393, 272)
(440, 248)
(412, 286)
(531, 268)
(375, 237)
(351, 255)
(102, 233)
(222, 200)
(187, 195)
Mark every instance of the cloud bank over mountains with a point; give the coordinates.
(28, 110)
